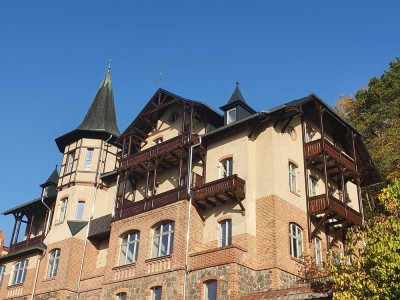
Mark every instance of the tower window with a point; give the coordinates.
(70, 161)
(79, 210)
(88, 159)
(63, 210)
(231, 116)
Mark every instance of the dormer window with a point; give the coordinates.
(231, 116)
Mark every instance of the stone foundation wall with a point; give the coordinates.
(251, 281)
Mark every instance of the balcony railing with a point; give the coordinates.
(321, 204)
(158, 150)
(315, 147)
(100, 227)
(134, 208)
(35, 241)
(219, 191)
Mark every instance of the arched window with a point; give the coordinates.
(292, 177)
(121, 296)
(296, 241)
(156, 293)
(2, 271)
(210, 290)
(19, 272)
(225, 232)
(163, 239)
(54, 260)
(129, 248)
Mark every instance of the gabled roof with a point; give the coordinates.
(100, 121)
(30, 205)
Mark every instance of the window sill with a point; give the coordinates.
(124, 266)
(298, 260)
(158, 258)
(295, 193)
(12, 286)
(50, 279)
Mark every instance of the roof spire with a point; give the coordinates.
(237, 83)
(109, 64)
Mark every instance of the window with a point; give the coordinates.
(129, 248)
(2, 271)
(79, 210)
(226, 167)
(312, 186)
(292, 177)
(45, 191)
(296, 241)
(292, 133)
(231, 116)
(54, 259)
(318, 251)
(158, 141)
(156, 293)
(210, 290)
(88, 159)
(70, 161)
(173, 117)
(163, 239)
(309, 134)
(63, 210)
(121, 296)
(226, 232)
(19, 272)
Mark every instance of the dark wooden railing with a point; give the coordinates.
(231, 184)
(315, 147)
(100, 226)
(157, 150)
(319, 204)
(37, 240)
(129, 208)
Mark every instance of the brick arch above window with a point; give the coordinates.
(125, 232)
(158, 223)
(121, 291)
(225, 157)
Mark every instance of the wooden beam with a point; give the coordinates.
(338, 233)
(319, 224)
(286, 124)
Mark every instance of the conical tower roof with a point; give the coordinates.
(236, 96)
(237, 99)
(52, 180)
(100, 121)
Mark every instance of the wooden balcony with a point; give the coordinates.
(315, 147)
(166, 149)
(129, 208)
(335, 208)
(35, 241)
(211, 194)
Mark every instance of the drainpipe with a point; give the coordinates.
(115, 198)
(96, 184)
(189, 192)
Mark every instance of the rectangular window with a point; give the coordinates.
(88, 159)
(226, 167)
(296, 241)
(226, 232)
(231, 116)
(129, 248)
(292, 177)
(70, 161)
(156, 293)
(309, 134)
(210, 290)
(2, 271)
(312, 186)
(63, 210)
(54, 259)
(79, 210)
(318, 251)
(19, 272)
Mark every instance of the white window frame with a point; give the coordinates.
(163, 239)
(207, 295)
(225, 228)
(2, 271)
(80, 208)
(19, 272)
(156, 293)
(296, 241)
(70, 161)
(312, 186)
(88, 159)
(129, 248)
(54, 261)
(293, 177)
(226, 167)
(318, 252)
(231, 116)
(63, 210)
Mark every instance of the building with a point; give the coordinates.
(188, 203)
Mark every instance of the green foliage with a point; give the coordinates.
(374, 271)
(375, 112)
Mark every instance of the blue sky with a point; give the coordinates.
(53, 56)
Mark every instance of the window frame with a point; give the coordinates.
(70, 162)
(2, 272)
(158, 239)
(293, 177)
(127, 244)
(63, 210)
(296, 241)
(80, 209)
(318, 259)
(155, 296)
(88, 159)
(229, 118)
(19, 272)
(226, 167)
(119, 296)
(53, 263)
(312, 186)
(309, 134)
(206, 295)
(225, 235)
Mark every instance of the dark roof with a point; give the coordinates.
(100, 120)
(40, 248)
(52, 180)
(237, 99)
(28, 205)
(75, 226)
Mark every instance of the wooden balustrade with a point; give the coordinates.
(37, 240)
(231, 185)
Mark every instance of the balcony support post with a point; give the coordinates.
(31, 219)
(338, 233)
(319, 225)
(13, 232)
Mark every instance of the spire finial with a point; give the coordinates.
(237, 83)
(109, 64)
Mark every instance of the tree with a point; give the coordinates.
(371, 270)
(375, 112)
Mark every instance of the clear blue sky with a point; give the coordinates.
(53, 56)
